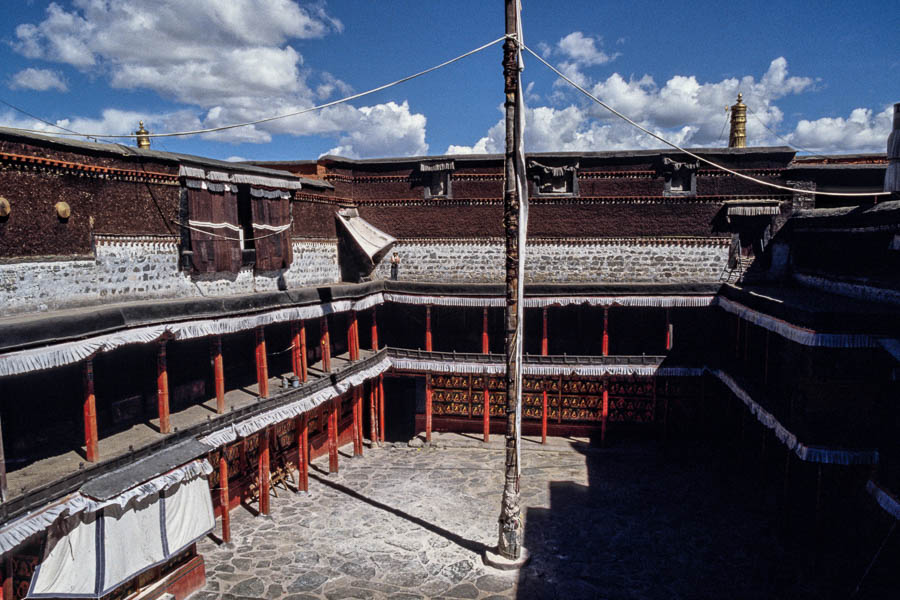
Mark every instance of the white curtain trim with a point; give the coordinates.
(20, 530)
(801, 335)
(814, 454)
(890, 504)
(295, 408)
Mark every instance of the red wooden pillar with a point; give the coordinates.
(303, 374)
(428, 409)
(669, 330)
(428, 328)
(262, 368)
(604, 414)
(264, 471)
(352, 337)
(545, 347)
(333, 435)
(218, 373)
(485, 341)
(298, 349)
(605, 331)
(374, 328)
(325, 342)
(223, 497)
(487, 412)
(381, 407)
(302, 424)
(6, 590)
(373, 416)
(162, 388)
(92, 453)
(357, 425)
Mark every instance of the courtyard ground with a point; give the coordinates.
(635, 520)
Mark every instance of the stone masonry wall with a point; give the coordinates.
(661, 260)
(146, 267)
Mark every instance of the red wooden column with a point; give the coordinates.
(428, 409)
(218, 372)
(302, 424)
(545, 346)
(381, 407)
(325, 342)
(669, 330)
(373, 416)
(487, 412)
(485, 349)
(374, 328)
(6, 590)
(92, 453)
(605, 331)
(428, 328)
(223, 497)
(262, 368)
(604, 414)
(264, 471)
(298, 349)
(485, 341)
(352, 337)
(162, 388)
(357, 424)
(333, 435)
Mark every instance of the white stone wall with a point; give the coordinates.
(661, 260)
(128, 269)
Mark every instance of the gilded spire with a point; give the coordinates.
(738, 136)
(143, 137)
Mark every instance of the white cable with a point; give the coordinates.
(284, 116)
(688, 152)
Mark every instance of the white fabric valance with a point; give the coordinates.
(446, 165)
(89, 554)
(795, 333)
(295, 408)
(223, 177)
(890, 504)
(18, 531)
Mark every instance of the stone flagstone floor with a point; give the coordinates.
(632, 521)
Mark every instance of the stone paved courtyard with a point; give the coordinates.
(632, 521)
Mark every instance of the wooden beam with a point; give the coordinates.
(91, 440)
(218, 372)
(262, 368)
(162, 388)
(427, 409)
(264, 471)
(223, 497)
(333, 435)
(428, 347)
(325, 343)
(302, 424)
(374, 328)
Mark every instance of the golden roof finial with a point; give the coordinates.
(143, 137)
(738, 136)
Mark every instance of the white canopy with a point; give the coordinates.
(372, 242)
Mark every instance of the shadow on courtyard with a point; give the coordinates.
(653, 522)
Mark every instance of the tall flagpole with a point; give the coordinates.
(509, 546)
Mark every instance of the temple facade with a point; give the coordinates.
(181, 334)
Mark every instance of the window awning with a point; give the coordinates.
(373, 243)
(752, 208)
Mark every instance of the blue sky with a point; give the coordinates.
(821, 75)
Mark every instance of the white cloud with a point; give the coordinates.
(862, 131)
(688, 113)
(230, 58)
(39, 80)
(383, 130)
(583, 50)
